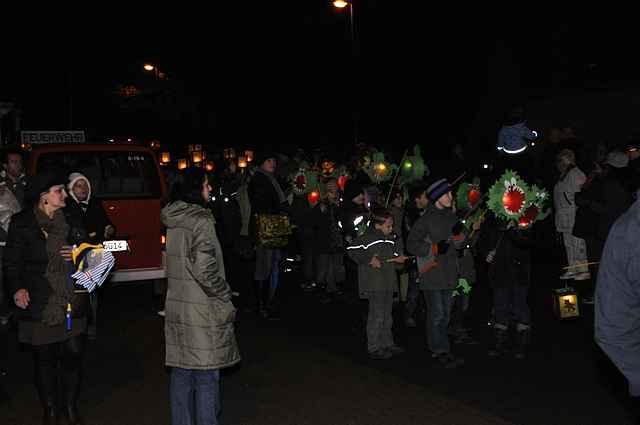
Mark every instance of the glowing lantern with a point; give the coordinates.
(229, 153)
(565, 303)
(242, 162)
(197, 156)
(407, 165)
(313, 197)
(328, 167)
(513, 200)
(249, 155)
(342, 181)
(182, 164)
(381, 169)
(473, 197)
(210, 166)
(154, 144)
(165, 157)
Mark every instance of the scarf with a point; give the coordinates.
(57, 273)
(275, 184)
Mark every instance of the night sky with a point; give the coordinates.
(248, 75)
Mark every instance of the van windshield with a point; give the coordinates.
(112, 174)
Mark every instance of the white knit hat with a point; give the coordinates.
(73, 179)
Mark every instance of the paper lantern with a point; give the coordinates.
(229, 153)
(210, 166)
(182, 164)
(242, 162)
(165, 157)
(565, 303)
(342, 181)
(249, 155)
(197, 156)
(313, 197)
(473, 196)
(513, 200)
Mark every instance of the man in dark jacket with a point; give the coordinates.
(430, 240)
(88, 222)
(617, 316)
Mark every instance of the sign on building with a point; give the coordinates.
(41, 137)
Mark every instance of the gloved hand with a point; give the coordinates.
(443, 247)
(457, 228)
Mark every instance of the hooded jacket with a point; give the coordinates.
(199, 315)
(87, 222)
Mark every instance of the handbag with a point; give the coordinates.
(272, 230)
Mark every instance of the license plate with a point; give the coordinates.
(115, 245)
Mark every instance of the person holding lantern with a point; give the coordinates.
(434, 239)
(375, 253)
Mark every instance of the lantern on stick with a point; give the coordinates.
(242, 162)
(182, 164)
(249, 155)
(210, 166)
(165, 157)
(197, 157)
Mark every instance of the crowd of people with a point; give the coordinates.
(359, 242)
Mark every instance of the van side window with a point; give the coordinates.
(121, 174)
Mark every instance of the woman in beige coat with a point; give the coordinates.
(199, 331)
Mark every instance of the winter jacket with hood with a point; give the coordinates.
(87, 224)
(437, 271)
(361, 251)
(199, 315)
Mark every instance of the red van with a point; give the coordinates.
(128, 180)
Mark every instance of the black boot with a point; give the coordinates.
(523, 337)
(47, 384)
(71, 383)
(501, 336)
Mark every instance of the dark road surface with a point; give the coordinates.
(310, 368)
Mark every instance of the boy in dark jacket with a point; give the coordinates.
(328, 243)
(376, 256)
(507, 249)
(433, 240)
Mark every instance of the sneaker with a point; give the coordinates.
(380, 355)
(582, 276)
(567, 275)
(161, 313)
(396, 349)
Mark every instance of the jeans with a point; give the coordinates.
(439, 303)
(510, 303)
(195, 396)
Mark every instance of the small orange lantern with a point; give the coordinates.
(242, 162)
(182, 164)
(154, 144)
(249, 155)
(165, 157)
(196, 157)
(211, 166)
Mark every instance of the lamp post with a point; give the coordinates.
(154, 68)
(343, 4)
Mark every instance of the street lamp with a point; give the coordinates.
(341, 4)
(153, 68)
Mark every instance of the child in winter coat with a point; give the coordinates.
(377, 258)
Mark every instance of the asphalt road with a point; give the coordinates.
(311, 368)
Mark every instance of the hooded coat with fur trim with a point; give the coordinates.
(86, 225)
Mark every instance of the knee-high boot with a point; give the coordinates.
(71, 377)
(45, 360)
